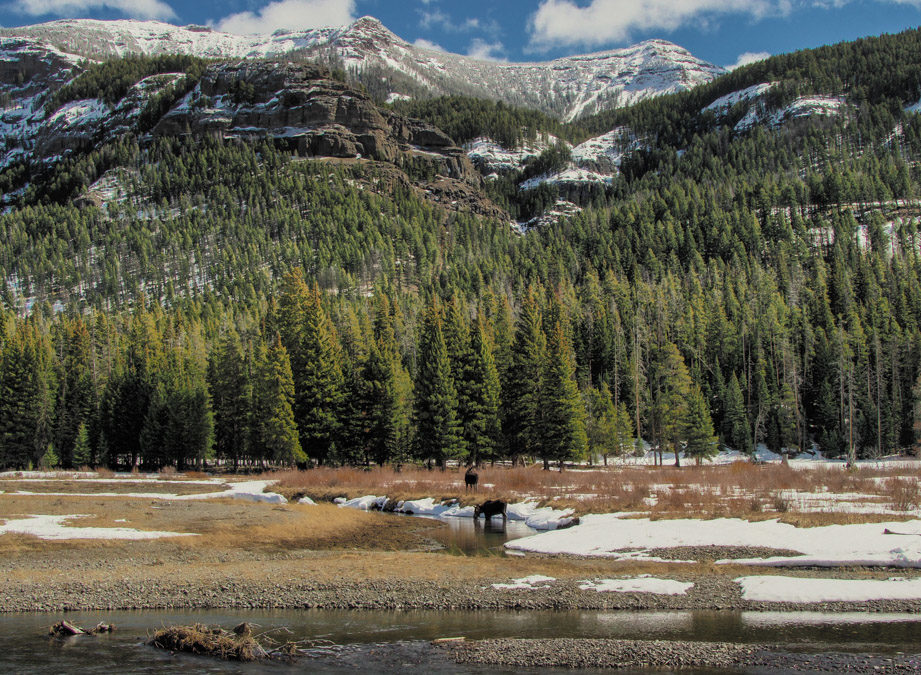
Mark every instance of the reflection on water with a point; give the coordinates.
(466, 536)
(24, 647)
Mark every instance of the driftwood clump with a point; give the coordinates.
(238, 644)
(67, 629)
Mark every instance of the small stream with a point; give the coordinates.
(465, 536)
(399, 641)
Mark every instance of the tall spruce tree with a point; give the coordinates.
(319, 385)
(438, 429)
(26, 398)
(523, 389)
(231, 398)
(564, 416)
(479, 404)
(273, 407)
(701, 443)
(671, 389)
(736, 428)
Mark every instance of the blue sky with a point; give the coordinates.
(720, 31)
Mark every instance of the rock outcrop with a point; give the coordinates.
(302, 108)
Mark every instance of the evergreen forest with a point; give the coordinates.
(184, 300)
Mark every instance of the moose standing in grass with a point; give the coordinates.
(471, 478)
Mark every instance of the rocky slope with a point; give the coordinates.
(297, 106)
(568, 87)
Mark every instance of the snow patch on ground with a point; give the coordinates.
(613, 536)
(533, 582)
(794, 589)
(307, 501)
(48, 475)
(641, 584)
(52, 527)
(252, 491)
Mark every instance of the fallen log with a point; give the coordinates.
(66, 629)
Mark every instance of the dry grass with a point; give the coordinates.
(222, 525)
(127, 485)
(740, 489)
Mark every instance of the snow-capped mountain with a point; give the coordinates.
(567, 87)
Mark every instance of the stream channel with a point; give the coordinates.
(389, 641)
(377, 641)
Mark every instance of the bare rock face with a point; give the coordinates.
(301, 108)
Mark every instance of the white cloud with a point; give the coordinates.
(428, 44)
(140, 9)
(486, 51)
(436, 18)
(749, 57)
(563, 22)
(290, 15)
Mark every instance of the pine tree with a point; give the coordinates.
(671, 387)
(479, 404)
(273, 407)
(523, 389)
(76, 399)
(319, 385)
(736, 429)
(26, 399)
(380, 406)
(701, 443)
(83, 452)
(564, 416)
(231, 396)
(438, 430)
(600, 423)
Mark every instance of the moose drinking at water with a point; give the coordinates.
(490, 508)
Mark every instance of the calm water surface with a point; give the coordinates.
(399, 641)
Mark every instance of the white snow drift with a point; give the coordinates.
(613, 536)
(641, 584)
(533, 582)
(805, 590)
(52, 527)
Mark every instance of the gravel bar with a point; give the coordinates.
(276, 590)
(669, 655)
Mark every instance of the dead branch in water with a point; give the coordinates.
(238, 644)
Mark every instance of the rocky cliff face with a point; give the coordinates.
(297, 106)
(300, 107)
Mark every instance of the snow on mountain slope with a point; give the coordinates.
(606, 152)
(568, 87)
(572, 175)
(724, 103)
(490, 157)
(805, 106)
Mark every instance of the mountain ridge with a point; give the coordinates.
(567, 87)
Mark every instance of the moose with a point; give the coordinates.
(471, 478)
(490, 508)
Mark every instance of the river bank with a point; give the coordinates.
(390, 581)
